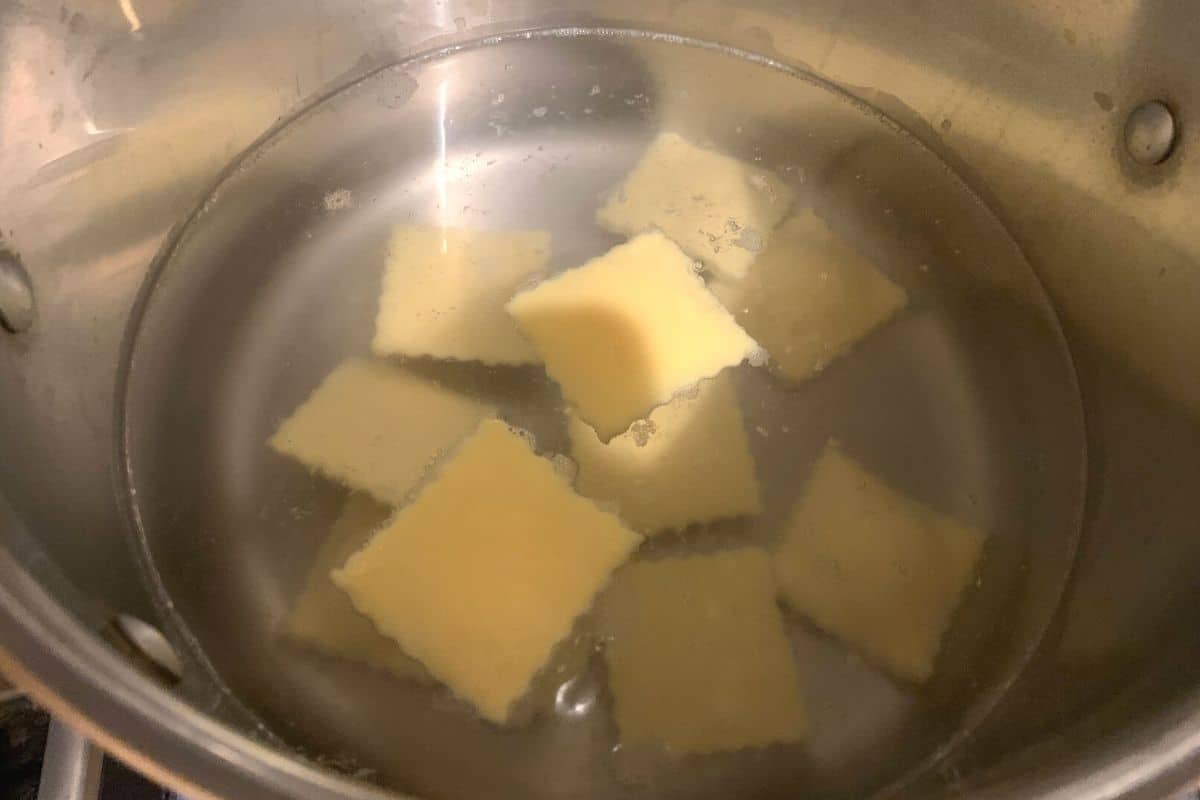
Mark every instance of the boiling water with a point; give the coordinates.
(965, 401)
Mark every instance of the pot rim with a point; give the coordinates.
(82, 681)
(66, 667)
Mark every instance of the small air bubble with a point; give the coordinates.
(574, 698)
(750, 239)
(565, 467)
(526, 435)
(641, 431)
(595, 90)
(498, 99)
(758, 358)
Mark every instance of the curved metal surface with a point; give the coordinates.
(71, 766)
(1150, 133)
(86, 684)
(16, 294)
(116, 117)
(150, 644)
(209, 274)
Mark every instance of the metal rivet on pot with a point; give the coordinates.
(16, 294)
(1150, 133)
(147, 641)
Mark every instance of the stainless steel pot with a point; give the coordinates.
(117, 118)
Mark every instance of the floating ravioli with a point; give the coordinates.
(444, 292)
(376, 427)
(690, 462)
(718, 209)
(874, 567)
(323, 617)
(809, 297)
(488, 568)
(628, 330)
(698, 659)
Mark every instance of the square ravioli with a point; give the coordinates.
(488, 568)
(323, 617)
(873, 567)
(444, 291)
(690, 462)
(810, 297)
(720, 210)
(376, 427)
(628, 330)
(698, 659)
